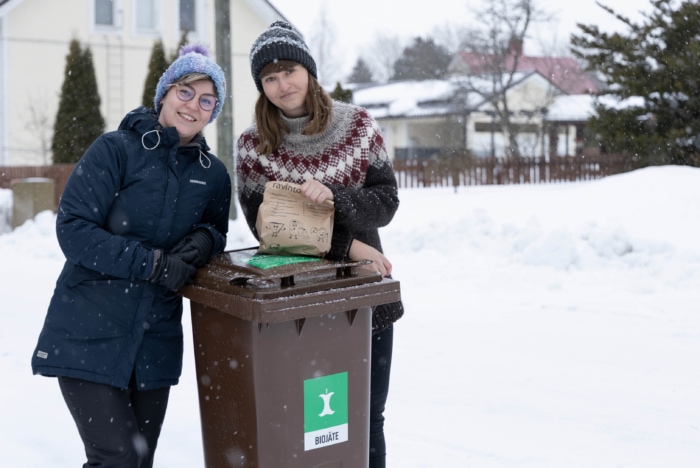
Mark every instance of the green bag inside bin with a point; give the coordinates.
(265, 261)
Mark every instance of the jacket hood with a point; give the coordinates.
(142, 119)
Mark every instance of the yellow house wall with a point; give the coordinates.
(35, 42)
(434, 132)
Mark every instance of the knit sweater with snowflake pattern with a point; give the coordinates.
(350, 158)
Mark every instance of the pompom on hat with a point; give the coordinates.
(280, 41)
(193, 58)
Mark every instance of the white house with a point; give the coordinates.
(34, 40)
(419, 118)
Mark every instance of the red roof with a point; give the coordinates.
(563, 72)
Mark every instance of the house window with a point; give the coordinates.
(188, 17)
(146, 15)
(106, 13)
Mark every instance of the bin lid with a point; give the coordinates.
(247, 273)
(266, 288)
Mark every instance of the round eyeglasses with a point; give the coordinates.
(186, 93)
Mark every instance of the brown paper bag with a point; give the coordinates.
(289, 224)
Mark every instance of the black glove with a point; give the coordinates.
(195, 248)
(171, 271)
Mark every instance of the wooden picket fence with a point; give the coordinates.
(437, 171)
(460, 170)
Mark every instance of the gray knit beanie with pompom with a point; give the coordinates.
(280, 41)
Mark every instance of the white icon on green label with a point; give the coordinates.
(326, 397)
(325, 411)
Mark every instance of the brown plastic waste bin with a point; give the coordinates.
(282, 355)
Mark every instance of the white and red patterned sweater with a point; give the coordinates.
(349, 157)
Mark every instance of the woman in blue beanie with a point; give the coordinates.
(337, 152)
(145, 206)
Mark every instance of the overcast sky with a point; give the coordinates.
(358, 22)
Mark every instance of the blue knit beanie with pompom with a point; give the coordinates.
(193, 58)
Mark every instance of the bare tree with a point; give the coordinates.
(324, 47)
(41, 125)
(496, 49)
(382, 54)
(451, 36)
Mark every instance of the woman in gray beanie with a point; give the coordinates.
(145, 206)
(337, 152)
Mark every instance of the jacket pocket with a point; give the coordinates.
(73, 275)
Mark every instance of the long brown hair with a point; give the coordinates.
(268, 117)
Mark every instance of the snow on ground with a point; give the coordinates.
(546, 326)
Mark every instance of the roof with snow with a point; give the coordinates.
(408, 98)
(413, 98)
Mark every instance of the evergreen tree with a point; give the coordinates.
(78, 121)
(340, 94)
(156, 66)
(423, 60)
(176, 52)
(360, 73)
(652, 70)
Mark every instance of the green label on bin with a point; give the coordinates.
(265, 261)
(325, 411)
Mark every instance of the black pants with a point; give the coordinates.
(119, 428)
(382, 344)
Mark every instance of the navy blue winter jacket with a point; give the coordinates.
(135, 190)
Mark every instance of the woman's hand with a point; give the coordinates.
(361, 251)
(316, 191)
